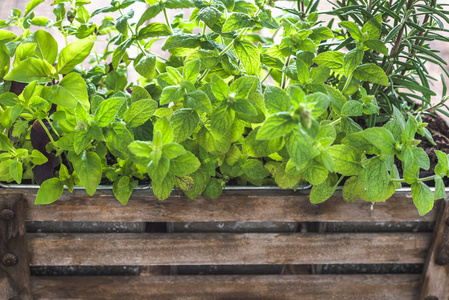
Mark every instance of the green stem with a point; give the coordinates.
(428, 178)
(348, 80)
(52, 128)
(166, 20)
(268, 74)
(46, 130)
(335, 122)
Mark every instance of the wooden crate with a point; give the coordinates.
(19, 249)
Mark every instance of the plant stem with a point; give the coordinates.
(348, 80)
(46, 130)
(335, 122)
(52, 128)
(428, 178)
(284, 77)
(166, 20)
(268, 74)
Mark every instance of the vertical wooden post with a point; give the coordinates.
(14, 270)
(435, 283)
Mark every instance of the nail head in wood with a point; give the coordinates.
(9, 259)
(6, 214)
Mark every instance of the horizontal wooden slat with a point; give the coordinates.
(304, 287)
(66, 249)
(233, 206)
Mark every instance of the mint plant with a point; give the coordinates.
(220, 104)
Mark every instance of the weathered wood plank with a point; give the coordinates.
(225, 248)
(304, 287)
(14, 271)
(436, 270)
(250, 206)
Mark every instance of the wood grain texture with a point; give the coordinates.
(435, 281)
(279, 287)
(225, 248)
(14, 279)
(247, 206)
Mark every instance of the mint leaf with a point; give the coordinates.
(106, 112)
(276, 100)
(238, 21)
(249, 56)
(221, 120)
(123, 189)
(139, 112)
(171, 94)
(380, 138)
(275, 126)
(315, 173)
(371, 73)
(184, 122)
(184, 164)
(346, 159)
(351, 61)
(352, 189)
(422, 197)
(440, 191)
(375, 179)
(199, 101)
(31, 69)
(325, 190)
(352, 108)
(71, 90)
(254, 169)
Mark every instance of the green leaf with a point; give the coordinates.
(172, 150)
(184, 122)
(375, 179)
(373, 27)
(163, 189)
(371, 73)
(158, 171)
(6, 36)
(213, 188)
(163, 125)
(422, 197)
(215, 146)
(220, 88)
(16, 171)
(123, 189)
(106, 112)
(302, 70)
(71, 90)
(221, 120)
(31, 69)
(376, 45)
(300, 149)
(199, 101)
(315, 173)
(346, 159)
(38, 158)
(352, 108)
(191, 70)
(31, 5)
(325, 190)
(238, 21)
(74, 54)
(249, 56)
(353, 29)
(352, 189)
(331, 59)
(243, 86)
(244, 106)
(277, 125)
(81, 140)
(209, 15)
(321, 33)
(440, 191)
(140, 152)
(380, 138)
(146, 66)
(351, 61)
(184, 164)
(117, 140)
(139, 112)
(276, 100)
(49, 191)
(254, 169)
(47, 47)
(171, 94)
(150, 13)
(442, 166)
(154, 30)
(115, 81)
(182, 41)
(88, 169)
